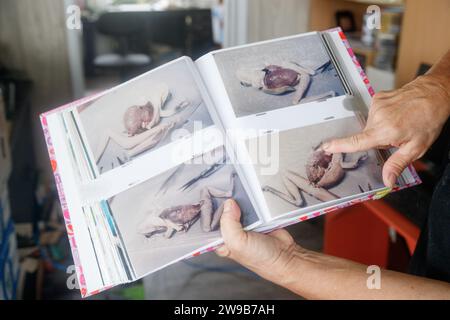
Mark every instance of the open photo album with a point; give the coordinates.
(143, 169)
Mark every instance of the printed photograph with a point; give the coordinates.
(178, 211)
(308, 176)
(142, 115)
(264, 77)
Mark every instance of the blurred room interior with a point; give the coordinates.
(55, 51)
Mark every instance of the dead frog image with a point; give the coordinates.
(324, 171)
(143, 124)
(182, 217)
(286, 77)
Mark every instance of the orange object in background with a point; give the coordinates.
(362, 233)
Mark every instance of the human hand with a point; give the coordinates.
(269, 255)
(410, 118)
(313, 275)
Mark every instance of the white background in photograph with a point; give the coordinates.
(295, 147)
(107, 111)
(132, 206)
(308, 51)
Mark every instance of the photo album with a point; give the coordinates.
(143, 169)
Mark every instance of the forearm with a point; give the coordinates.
(317, 276)
(431, 92)
(439, 77)
(442, 70)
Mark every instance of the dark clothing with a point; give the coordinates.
(431, 258)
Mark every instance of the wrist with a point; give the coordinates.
(440, 89)
(292, 267)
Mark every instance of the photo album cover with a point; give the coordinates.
(143, 169)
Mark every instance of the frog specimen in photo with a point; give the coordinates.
(182, 217)
(324, 171)
(282, 78)
(143, 127)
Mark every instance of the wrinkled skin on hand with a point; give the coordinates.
(277, 258)
(410, 118)
(269, 255)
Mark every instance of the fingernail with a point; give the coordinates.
(392, 179)
(222, 251)
(228, 206)
(325, 146)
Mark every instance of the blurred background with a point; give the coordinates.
(55, 51)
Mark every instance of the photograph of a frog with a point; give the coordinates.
(308, 176)
(272, 75)
(323, 171)
(283, 78)
(141, 117)
(178, 210)
(180, 218)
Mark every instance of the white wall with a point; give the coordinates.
(235, 22)
(75, 55)
(269, 19)
(255, 20)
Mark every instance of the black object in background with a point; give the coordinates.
(124, 28)
(346, 20)
(185, 31)
(23, 178)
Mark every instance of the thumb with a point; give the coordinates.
(359, 142)
(395, 165)
(230, 226)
